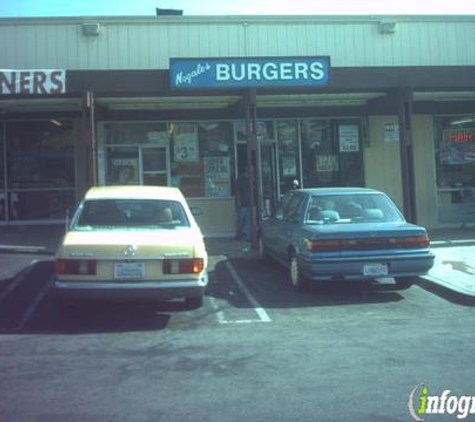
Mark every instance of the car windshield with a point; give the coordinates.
(131, 213)
(355, 208)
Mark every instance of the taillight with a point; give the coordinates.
(323, 245)
(328, 245)
(75, 266)
(413, 242)
(183, 266)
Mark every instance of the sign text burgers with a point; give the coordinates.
(249, 72)
(32, 82)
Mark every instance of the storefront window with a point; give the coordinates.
(202, 158)
(136, 133)
(331, 153)
(40, 154)
(289, 161)
(455, 167)
(264, 130)
(195, 157)
(41, 169)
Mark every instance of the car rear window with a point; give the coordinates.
(131, 213)
(356, 208)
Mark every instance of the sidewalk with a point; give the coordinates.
(454, 267)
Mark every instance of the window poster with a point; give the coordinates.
(349, 138)
(125, 171)
(457, 147)
(326, 163)
(289, 166)
(185, 140)
(217, 176)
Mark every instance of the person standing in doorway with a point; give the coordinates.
(243, 202)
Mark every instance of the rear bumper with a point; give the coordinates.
(351, 268)
(140, 290)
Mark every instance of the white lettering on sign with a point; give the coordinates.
(187, 78)
(285, 71)
(32, 81)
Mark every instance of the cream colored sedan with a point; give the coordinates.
(133, 242)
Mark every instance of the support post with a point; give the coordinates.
(253, 164)
(407, 155)
(89, 131)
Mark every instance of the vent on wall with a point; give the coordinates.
(90, 29)
(387, 27)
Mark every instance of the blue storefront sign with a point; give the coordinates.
(215, 73)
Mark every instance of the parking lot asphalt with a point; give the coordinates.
(256, 350)
(454, 249)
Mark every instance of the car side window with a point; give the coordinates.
(292, 213)
(282, 206)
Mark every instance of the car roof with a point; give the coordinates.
(134, 192)
(338, 191)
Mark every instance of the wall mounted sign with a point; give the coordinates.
(36, 82)
(391, 132)
(215, 73)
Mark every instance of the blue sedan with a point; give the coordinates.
(331, 234)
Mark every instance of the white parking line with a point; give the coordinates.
(32, 308)
(219, 312)
(261, 313)
(19, 278)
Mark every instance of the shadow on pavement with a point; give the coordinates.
(269, 284)
(447, 294)
(88, 317)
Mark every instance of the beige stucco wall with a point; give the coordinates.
(383, 165)
(382, 160)
(425, 174)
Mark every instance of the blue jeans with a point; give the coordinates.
(244, 223)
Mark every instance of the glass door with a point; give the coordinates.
(155, 168)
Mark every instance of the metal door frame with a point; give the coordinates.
(273, 144)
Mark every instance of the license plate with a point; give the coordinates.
(375, 270)
(129, 270)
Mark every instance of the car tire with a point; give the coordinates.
(194, 302)
(403, 283)
(296, 277)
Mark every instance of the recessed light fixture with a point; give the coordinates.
(56, 122)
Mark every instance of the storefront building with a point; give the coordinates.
(383, 102)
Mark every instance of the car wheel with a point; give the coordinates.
(194, 302)
(404, 282)
(297, 279)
